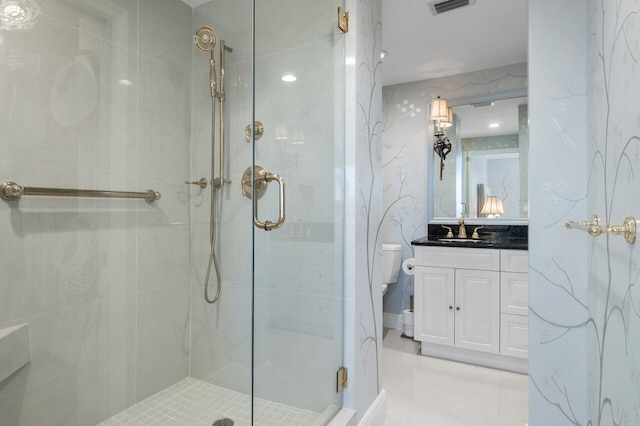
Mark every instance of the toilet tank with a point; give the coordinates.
(391, 261)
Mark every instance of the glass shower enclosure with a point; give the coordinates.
(106, 112)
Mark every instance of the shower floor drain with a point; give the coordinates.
(223, 422)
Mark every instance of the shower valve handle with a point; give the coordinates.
(202, 182)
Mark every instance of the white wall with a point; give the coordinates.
(104, 284)
(407, 150)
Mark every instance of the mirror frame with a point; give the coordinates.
(490, 97)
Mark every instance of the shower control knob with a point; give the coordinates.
(202, 182)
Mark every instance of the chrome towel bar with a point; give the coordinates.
(12, 191)
(592, 227)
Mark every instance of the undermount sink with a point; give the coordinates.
(458, 240)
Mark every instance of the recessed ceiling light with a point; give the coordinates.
(383, 53)
(289, 78)
(125, 82)
(494, 125)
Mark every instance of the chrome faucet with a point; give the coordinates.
(462, 231)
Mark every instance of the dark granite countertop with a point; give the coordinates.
(503, 243)
(512, 237)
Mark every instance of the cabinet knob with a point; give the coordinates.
(450, 307)
(457, 308)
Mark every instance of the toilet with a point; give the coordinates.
(391, 261)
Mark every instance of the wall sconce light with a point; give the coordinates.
(492, 207)
(442, 117)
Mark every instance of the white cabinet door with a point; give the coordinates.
(477, 310)
(514, 293)
(514, 339)
(434, 300)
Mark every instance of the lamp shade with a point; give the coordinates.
(438, 109)
(492, 206)
(448, 122)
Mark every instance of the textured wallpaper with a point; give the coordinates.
(585, 368)
(559, 324)
(406, 152)
(363, 204)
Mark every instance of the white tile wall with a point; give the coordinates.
(164, 32)
(103, 283)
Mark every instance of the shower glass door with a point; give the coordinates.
(298, 267)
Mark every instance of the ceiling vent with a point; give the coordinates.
(437, 7)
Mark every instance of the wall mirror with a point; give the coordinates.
(488, 166)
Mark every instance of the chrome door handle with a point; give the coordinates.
(593, 228)
(268, 225)
(261, 179)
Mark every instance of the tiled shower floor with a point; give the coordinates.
(192, 402)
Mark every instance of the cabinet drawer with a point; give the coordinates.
(514, 260)
(514, 335)
(514, 293)
(456, 257)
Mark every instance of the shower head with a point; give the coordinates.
(205, 39)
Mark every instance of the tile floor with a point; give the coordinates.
(193, 402)
(424, 391)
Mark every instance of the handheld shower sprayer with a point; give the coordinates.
(205, 40)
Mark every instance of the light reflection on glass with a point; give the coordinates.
(18, 15)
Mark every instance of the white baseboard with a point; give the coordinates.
(377, 413)
(344, 417)
(501, 362)
(393, 321)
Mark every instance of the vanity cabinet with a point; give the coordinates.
(472, 304)
(458, 307)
